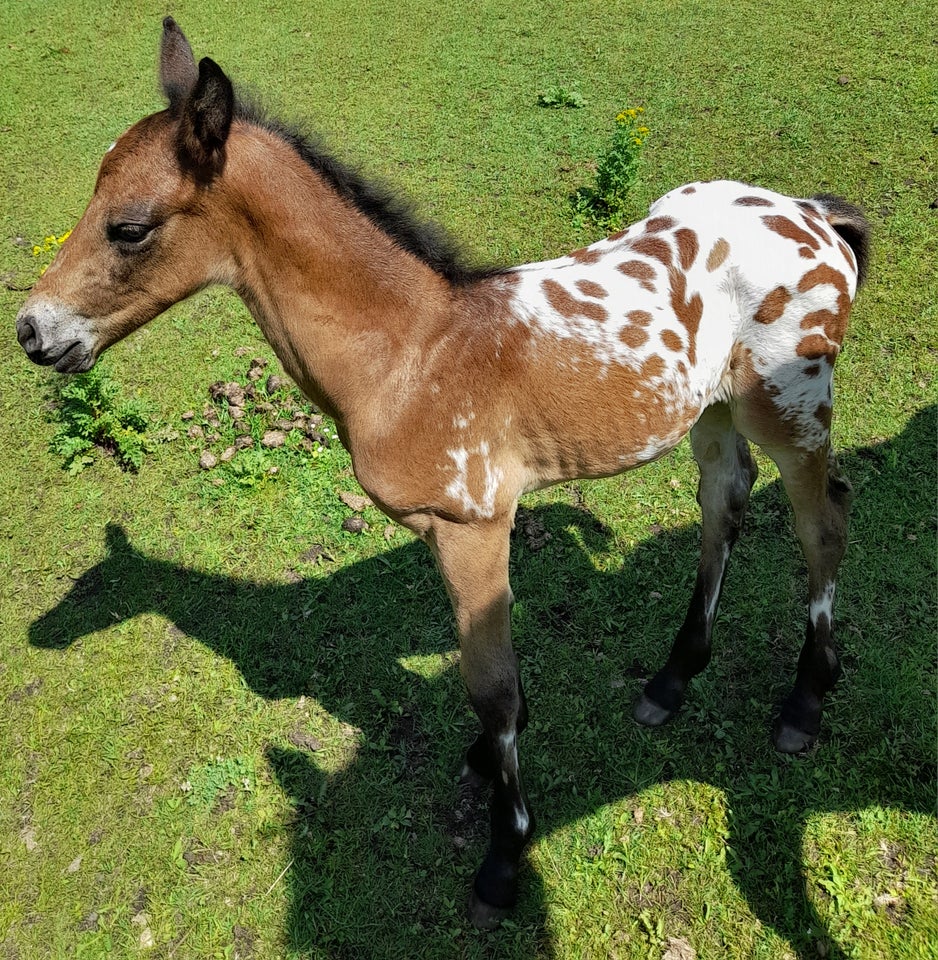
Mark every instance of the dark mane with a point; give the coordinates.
(387, 210)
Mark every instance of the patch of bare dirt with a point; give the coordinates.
(198, 855)
(679, 949)
(244, 942)
(305, 741)
(466, 822)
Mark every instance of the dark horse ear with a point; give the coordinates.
(178, 72)
(205, 122)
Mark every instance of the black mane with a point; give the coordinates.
(388, 211)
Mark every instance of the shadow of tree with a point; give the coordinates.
(601, 628)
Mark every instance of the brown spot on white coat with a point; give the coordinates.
(567, 305)
(772, 306)
(641, 271)
(590, 288)
(687, 247)
(653, 247)
(688, 310)
(718, 253)
(787, 228)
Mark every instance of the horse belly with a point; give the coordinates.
(617, 419)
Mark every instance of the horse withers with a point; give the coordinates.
(456, 390)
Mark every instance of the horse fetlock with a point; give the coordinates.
(496, 885)
(650, 714)
(790, 739)
(485, 916)
(798, 723)
(471, 779)
(665, 691)
(480, 765)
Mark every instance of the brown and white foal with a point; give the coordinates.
(456, 391)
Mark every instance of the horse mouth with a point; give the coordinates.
(75, 359)
(43, 334)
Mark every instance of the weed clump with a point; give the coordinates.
(93, 414)
(616, 172)
(559, 98)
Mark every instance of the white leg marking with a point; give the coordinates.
(509, 745)
(824, 605)
(712, 605)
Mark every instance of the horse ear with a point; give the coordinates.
(205, 122)
(178, 72)
(115, 539)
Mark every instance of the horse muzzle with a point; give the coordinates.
(53, 336)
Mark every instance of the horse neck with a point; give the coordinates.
(344, 308)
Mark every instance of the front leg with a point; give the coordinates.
(481, 764)
(473, 559)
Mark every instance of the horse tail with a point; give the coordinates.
(851, 225)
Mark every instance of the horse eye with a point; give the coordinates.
(128, 232)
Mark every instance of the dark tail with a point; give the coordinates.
(851, 223)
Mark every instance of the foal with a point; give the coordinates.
(456, 391)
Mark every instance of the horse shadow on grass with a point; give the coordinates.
(605, 632)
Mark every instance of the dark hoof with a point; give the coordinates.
(649, 713)
(789, 739)
(484, 916)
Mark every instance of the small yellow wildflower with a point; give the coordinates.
(64, 237)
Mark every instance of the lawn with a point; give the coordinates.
(231, 727)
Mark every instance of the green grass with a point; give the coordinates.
(230, 728)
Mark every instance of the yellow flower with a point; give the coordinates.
(643, 130)
(64, 237)
(36, 250)
(636, 141)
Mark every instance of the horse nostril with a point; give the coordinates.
(25, 332)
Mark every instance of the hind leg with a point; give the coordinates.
(787, 410)
(727, 473)
(820, 496)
